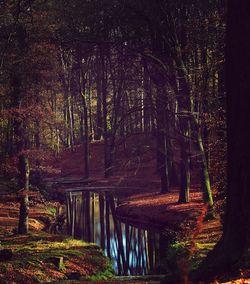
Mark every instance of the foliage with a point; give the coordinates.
(74, 71)
(78, 70)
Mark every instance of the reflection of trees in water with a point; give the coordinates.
(91, 217)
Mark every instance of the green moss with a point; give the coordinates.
(103, 275)
(178, 254)
(35, 251)
(51, 211)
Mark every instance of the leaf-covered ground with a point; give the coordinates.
(33, 255)
(142, 203)
(135, 168)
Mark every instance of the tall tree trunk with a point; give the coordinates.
(162, 140)
(159, 78)
(86, 138)
(89, 92)
(235, 240)
(23, 163)
(206, 186)
(184, 137)
(99, 90)
(70, 120)
(24, 171)
(86, 124)
(107, 161)
(185, 163)
(148, 101)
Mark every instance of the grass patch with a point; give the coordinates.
(32, 255)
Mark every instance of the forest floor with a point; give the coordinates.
(136, 181)
(35, 257)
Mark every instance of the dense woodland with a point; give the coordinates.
(76, 72)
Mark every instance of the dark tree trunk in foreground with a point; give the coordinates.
(234, 243)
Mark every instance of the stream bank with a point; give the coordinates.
(42, 257)
(131, 207)
(136, 247)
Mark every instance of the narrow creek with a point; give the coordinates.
(132, 249)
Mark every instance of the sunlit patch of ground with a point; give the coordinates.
(161, 209)
(32, 253)
(9, 213)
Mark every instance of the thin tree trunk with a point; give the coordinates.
(185, 164)
(107, 166)
(207, 192)
(24, 171)
(162, 141)
(86, 128)
(99, 91)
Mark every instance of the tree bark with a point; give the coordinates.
(86, 125)
(24, 172)
(235, 240)
(99, 116)
(107, 159)
(162, 151)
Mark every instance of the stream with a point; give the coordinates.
(132, 249)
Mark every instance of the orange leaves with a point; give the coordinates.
(198, 228)
(31, 113)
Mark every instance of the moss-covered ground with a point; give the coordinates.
(33, 255)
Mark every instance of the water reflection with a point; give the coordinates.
(91, 217)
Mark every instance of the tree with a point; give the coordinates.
(121, 68)
(23, 225)
(234, 243)
(26, 57)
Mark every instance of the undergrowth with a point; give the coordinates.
(32, 254)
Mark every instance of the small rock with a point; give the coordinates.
(6, 254)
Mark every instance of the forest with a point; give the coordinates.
(124, 151)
